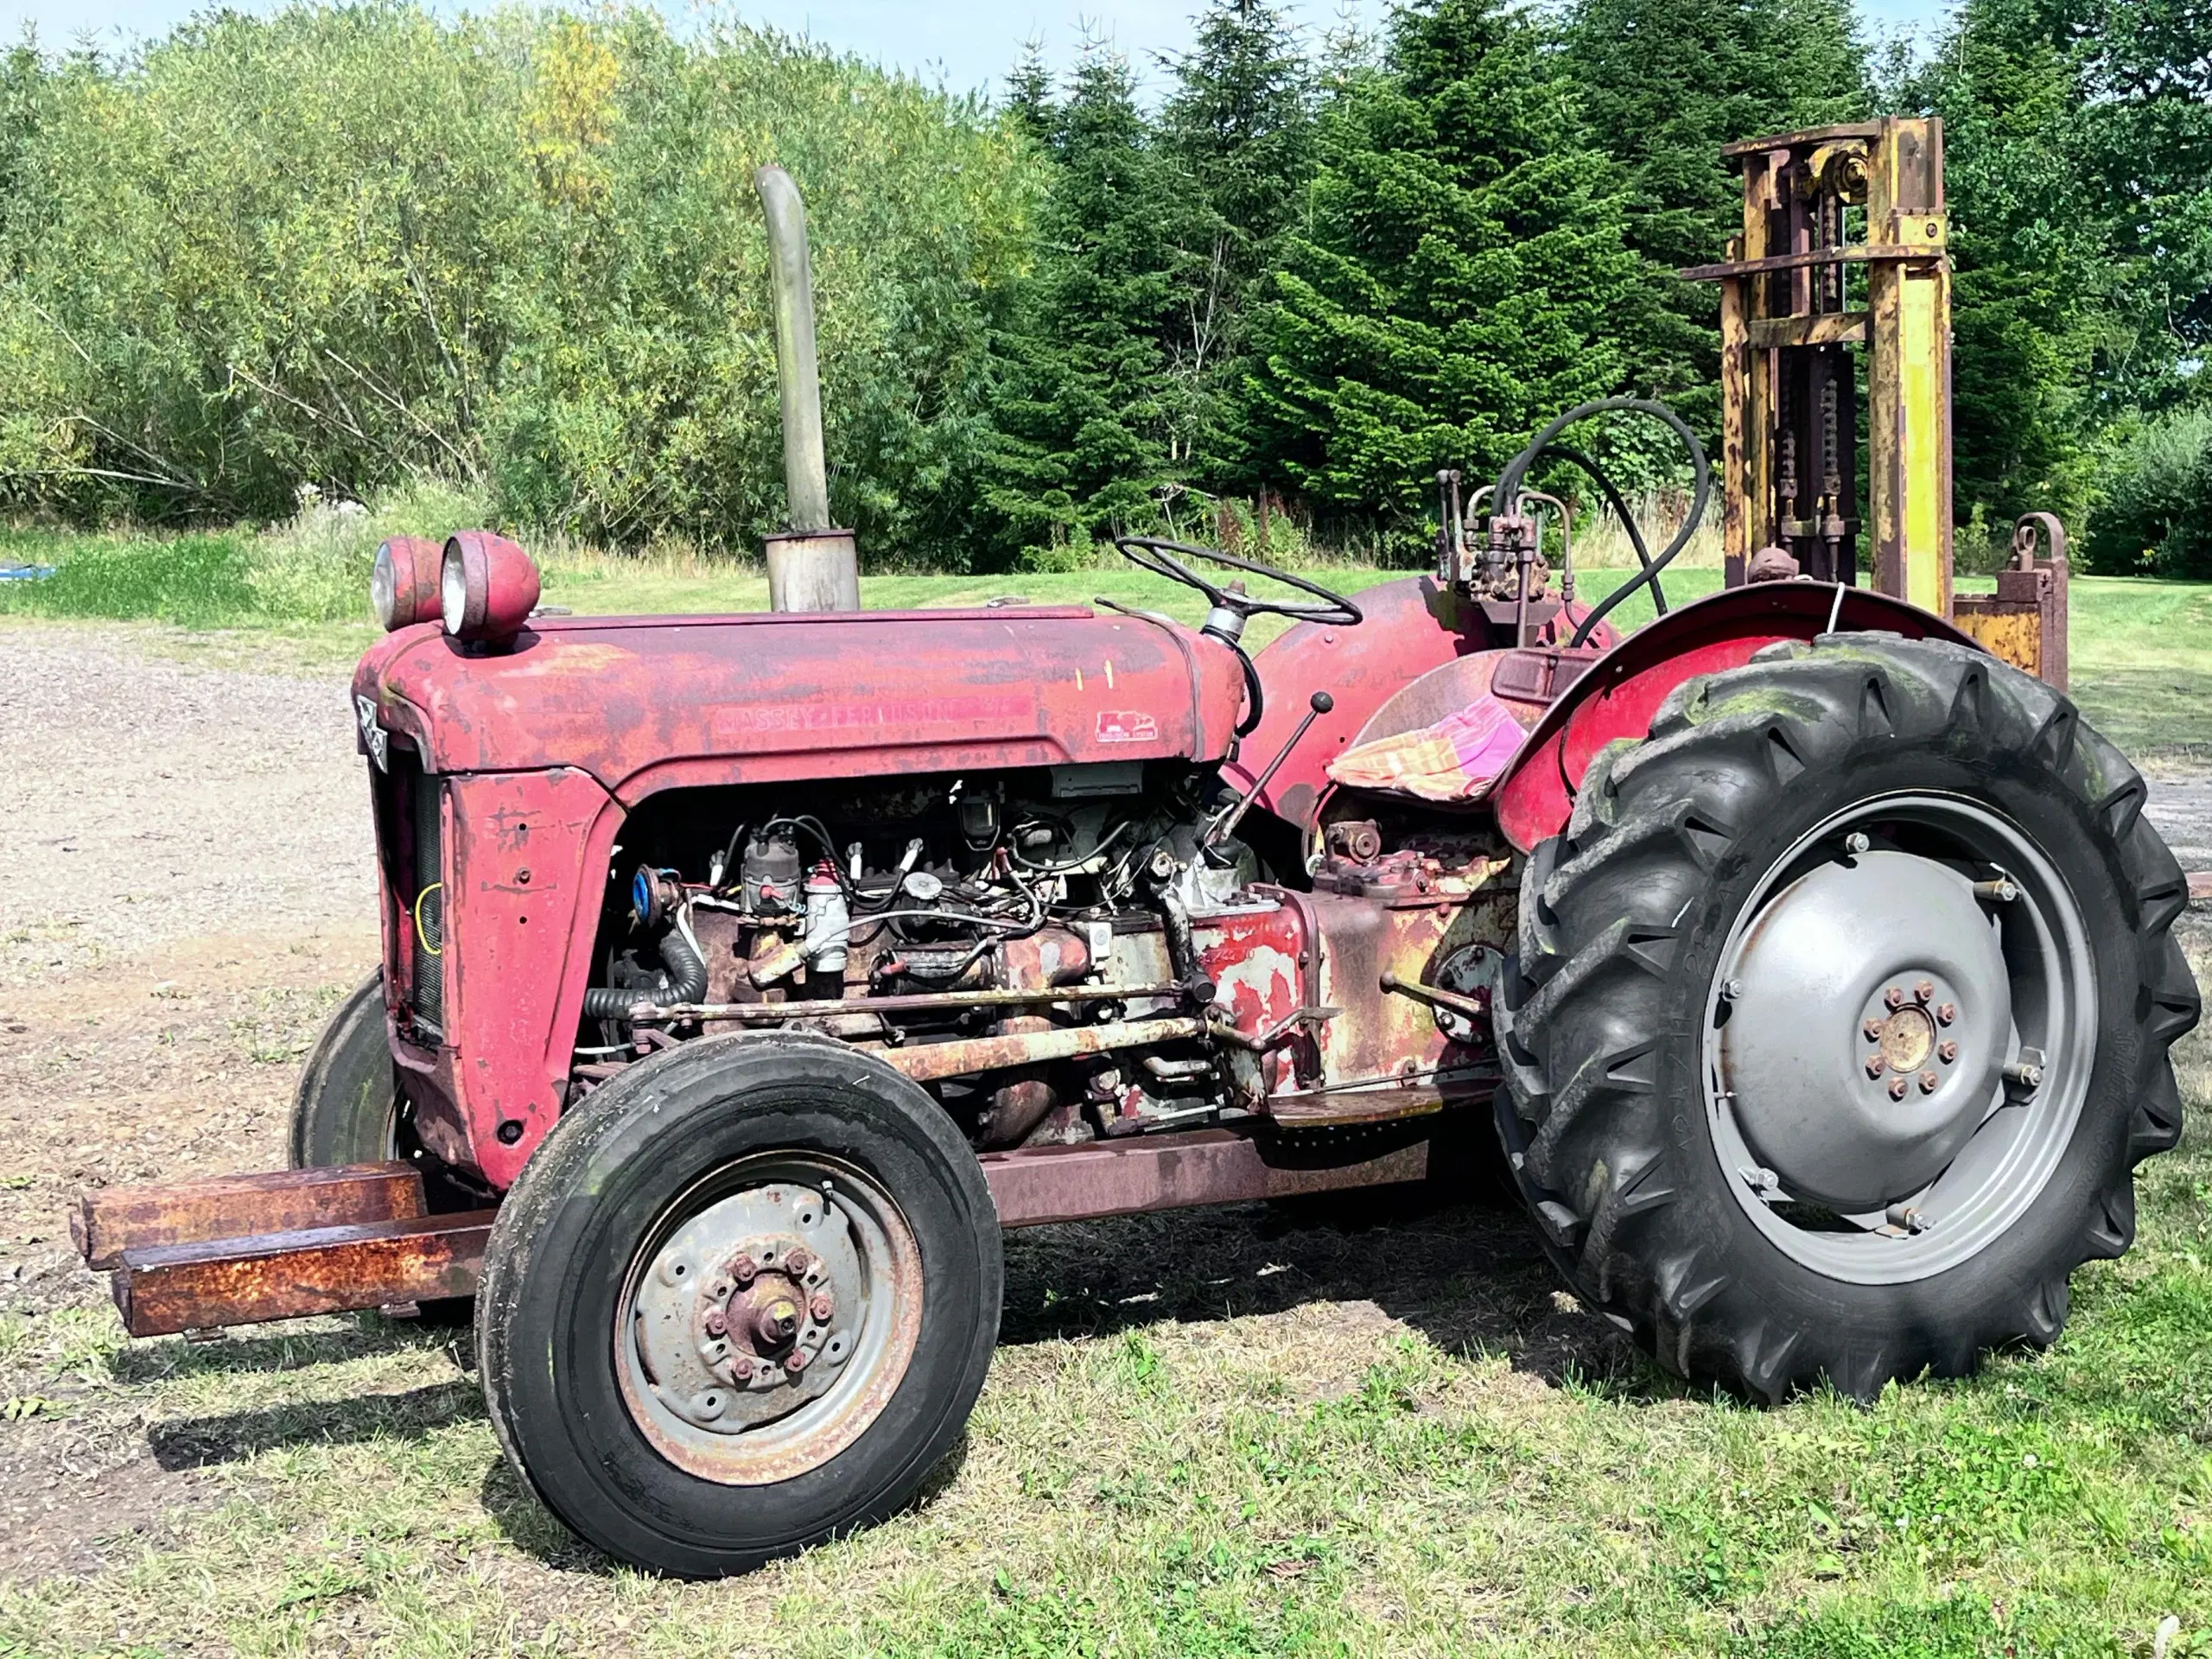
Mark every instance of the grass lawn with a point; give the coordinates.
(1242, 1432)
(1225, 1434)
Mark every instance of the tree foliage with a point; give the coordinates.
(1460, 271)
(332, 246)
(1663, 86)
(347, 245)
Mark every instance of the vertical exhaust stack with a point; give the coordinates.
(811, 567)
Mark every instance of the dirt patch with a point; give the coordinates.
(151, 801)
(86, 1496)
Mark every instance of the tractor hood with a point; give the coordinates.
(644, 703)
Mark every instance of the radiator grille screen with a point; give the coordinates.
(424, 894)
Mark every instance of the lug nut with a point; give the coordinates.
(717, 1322)
(1871, 1031)
(797, 1264)
(1947, 1052)
(821, 1308)
(795, 1362)
(1893, 998)
(1928, 1082)
(1898, 1086)
(743, 1269)
(1876, 1066)
(1924, 990)
(1946, 1012)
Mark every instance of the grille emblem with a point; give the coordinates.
(373, 737)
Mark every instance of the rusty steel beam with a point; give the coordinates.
(927, 1061)
(167, 1288)
(916, 1002)
(1037, 1184)
(105, 1224)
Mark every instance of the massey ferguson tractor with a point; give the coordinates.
(744, 976)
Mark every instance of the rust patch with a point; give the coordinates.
(104, 1224)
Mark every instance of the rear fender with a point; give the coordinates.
(1623, 690)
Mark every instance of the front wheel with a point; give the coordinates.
(740, 1301)
(1842, 1017)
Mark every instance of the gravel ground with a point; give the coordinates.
(149, 802)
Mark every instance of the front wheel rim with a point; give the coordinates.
(767, 1317)
(1888, 1090)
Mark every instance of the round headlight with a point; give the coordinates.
(489, 587)
(404, 583)
(453, 589)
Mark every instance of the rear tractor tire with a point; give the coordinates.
(741, 1300)
(1841, 1016)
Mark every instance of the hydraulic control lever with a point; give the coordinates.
(1225, 825)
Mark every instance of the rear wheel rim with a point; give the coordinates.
(767, 1317)
(1864, 1044)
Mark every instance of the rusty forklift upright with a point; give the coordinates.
(1821, 206)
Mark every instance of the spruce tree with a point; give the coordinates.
(1461, 276)
(1081, 444)
(1239, 126)
(1665, 84)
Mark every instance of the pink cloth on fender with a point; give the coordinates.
(1451, 761)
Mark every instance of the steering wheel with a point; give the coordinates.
(1165, 558)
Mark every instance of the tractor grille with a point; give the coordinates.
(426, 979)
(415, 866)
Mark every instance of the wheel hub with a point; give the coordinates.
(1861, 1114)
(732, 1347)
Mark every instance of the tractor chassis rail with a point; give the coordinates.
(244, 1250)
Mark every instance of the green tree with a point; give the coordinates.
(1665, 84)
(1461, 273)
(2145, 68)
(2030, 253)
(1239, 124)
(342, 245)
(1080, 407)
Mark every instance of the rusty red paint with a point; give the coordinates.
(1254, 960)
(646, 703)
(1039, 1185)
(1618, 697)
(926, 1061)
(517, 961)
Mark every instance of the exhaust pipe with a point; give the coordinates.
(811, 567)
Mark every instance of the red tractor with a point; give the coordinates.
(745, 975)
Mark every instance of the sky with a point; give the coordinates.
(968, 45)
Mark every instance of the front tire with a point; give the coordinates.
(1842, 1017)
(741, 1301)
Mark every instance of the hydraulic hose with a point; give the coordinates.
(685, 981)
(1507, 488)
(1605, 487)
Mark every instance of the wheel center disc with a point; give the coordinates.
(1908, 1038)
(1858, 1116)
(770, 1322)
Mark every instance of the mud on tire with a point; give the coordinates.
(1624, 923)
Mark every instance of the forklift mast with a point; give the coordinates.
(1843, 255)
